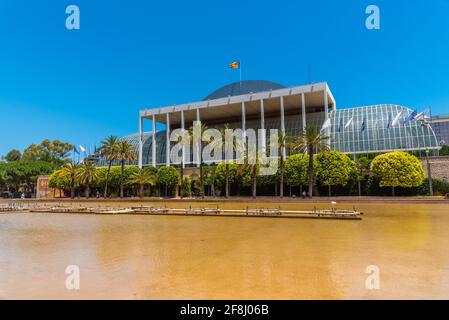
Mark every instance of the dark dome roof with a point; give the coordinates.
(248, 86)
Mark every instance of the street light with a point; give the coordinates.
(429, 174)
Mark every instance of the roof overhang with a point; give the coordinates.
(230, 108)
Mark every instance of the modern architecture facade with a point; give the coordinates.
(440, 125)
(267, 105)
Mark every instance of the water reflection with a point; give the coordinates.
(229, 258)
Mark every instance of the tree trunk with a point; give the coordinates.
(227, 180)
(360, 188)
(107, 180)
(254, 184)
(281, 186)
(310, 171)
(166, 190)
(392, 191)
(212, 187)
(72, 189)
(201, 181)
(87, 191)
(182, 180)
(121, 179)
(141, 191)
(330, 191)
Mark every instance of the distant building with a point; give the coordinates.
(267, 105)
(440, 125)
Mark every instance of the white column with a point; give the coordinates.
(140, 140)
(183, 145)
(283, 124)
(167, 140)
(326, 105)
(198, 145)
(303, 104)
(262, 123)
(153, 145)
(243, 118)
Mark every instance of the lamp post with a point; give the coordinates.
(429, 174)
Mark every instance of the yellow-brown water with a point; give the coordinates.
(163, 257)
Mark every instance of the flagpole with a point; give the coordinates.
(240, 71)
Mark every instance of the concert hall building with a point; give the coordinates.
(266, 105)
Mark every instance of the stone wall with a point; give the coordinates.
(439, 167)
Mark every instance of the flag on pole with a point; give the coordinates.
(340, 126)
(235, 65)
(389, 121)
(326, 125)
(75, 150)
(82, 149)
(349, 123)
(410, 117)
(396, 120)
(363, 126)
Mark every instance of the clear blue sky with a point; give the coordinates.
(81, 86)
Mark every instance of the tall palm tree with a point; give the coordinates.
(108, 151)
(141, 178)
(70, 170)
(236, 143)
(203, 128)
(87, 175)
(282, 143)
(125, 153)
(309, 140)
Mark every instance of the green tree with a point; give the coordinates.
(167, 177)
(87, 175)
(186, 187)
(24, 174)
(108, 151)
(141, 178)
(59, 181)
(55, 152)
(13, 155)
(397, 169)
(125, 153)
(70, 171)
(333, 168)
(362, 164)
(225, 175)
(282, 143)
(444, 150)
(296, 169)
(310, 140)
(203, 128)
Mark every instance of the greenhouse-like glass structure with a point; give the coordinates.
(266, 105)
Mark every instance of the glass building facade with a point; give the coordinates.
(440, 125)
(369, 131)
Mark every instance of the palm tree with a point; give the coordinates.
(203, 128)
(235, 144)
(309, 140)
(87, 175)
(108, 151)
(141, 178)
(282, 143)
(70, 170)
(125, 153)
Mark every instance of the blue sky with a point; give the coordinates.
(83, 85)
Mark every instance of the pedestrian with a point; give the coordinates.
(304, 194)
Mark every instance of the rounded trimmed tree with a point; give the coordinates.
(167, 177)
(398, 169)
(334, 168)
